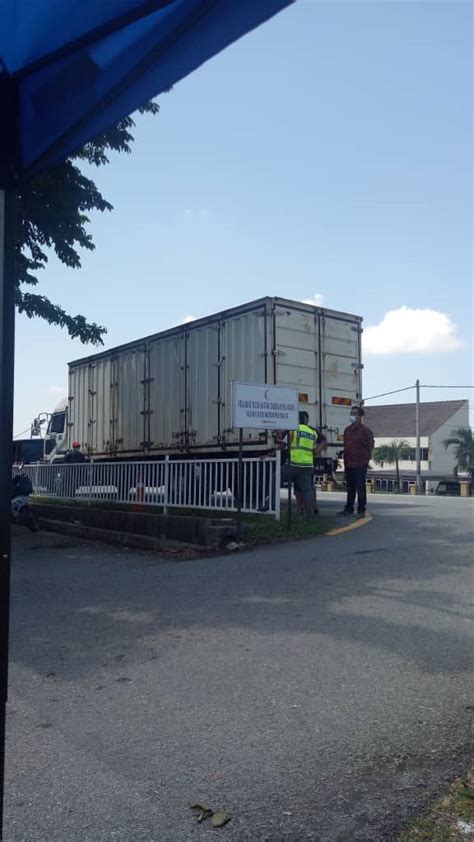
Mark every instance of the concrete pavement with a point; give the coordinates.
(317, 690)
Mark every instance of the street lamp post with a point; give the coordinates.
(417, 433)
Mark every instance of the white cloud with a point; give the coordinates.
(410, 331)
(57, 390)
(184, 320)
(317, 300)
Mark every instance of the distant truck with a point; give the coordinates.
(171, 393)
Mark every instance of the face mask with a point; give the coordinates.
(352, 418)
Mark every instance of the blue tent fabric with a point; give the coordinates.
(70, 69)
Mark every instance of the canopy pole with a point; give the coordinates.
(7, 352)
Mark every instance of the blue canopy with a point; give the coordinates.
(69, 69)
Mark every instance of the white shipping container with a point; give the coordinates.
(172, 392)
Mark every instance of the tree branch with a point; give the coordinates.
(53, 214)
(77, 326)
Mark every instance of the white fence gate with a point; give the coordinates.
(171, 483)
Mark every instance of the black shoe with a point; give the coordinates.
(361, 515)
(346, 512)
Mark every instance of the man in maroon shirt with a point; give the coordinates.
(358, 447)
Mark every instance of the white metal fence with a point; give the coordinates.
(171, 483)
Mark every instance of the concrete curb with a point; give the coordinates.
(121, 539)
(198, 531)
(354, 525)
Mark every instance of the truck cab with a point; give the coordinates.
(55, 440)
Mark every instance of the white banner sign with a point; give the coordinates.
(259, 406)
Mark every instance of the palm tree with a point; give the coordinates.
(463, 442)
(392, 454)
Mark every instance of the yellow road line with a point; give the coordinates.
(354, 525)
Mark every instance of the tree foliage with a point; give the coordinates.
(392, 454)
(463, 442)
(53, 213)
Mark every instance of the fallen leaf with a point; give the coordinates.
(220, 819)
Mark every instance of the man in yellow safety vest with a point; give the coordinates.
(305, 445)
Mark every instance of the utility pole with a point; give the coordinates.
(417, 433)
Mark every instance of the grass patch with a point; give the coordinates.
(264, 530)
(256, 529)
(153, 508)
(146, 508)
(440, 824)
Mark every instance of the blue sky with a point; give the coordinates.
(328, 153)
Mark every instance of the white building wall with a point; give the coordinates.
(440, 461)
(405, 464)
(444, 461)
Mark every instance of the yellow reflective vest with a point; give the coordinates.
(303, 441)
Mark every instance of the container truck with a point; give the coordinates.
(171, 393)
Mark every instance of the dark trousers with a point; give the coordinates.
(355, 482)
(302, 479)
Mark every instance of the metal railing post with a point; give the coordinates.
(240, 498)
(277, 475)
(290, 482)
(90, 482)
(167, 479)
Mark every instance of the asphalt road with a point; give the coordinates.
(317, 691)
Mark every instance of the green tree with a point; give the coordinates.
(463, 442)
(392, 454)
(53, 214)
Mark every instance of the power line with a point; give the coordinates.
(395, 391)
(407, 388)
(19, 435)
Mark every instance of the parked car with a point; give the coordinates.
(449, 488)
